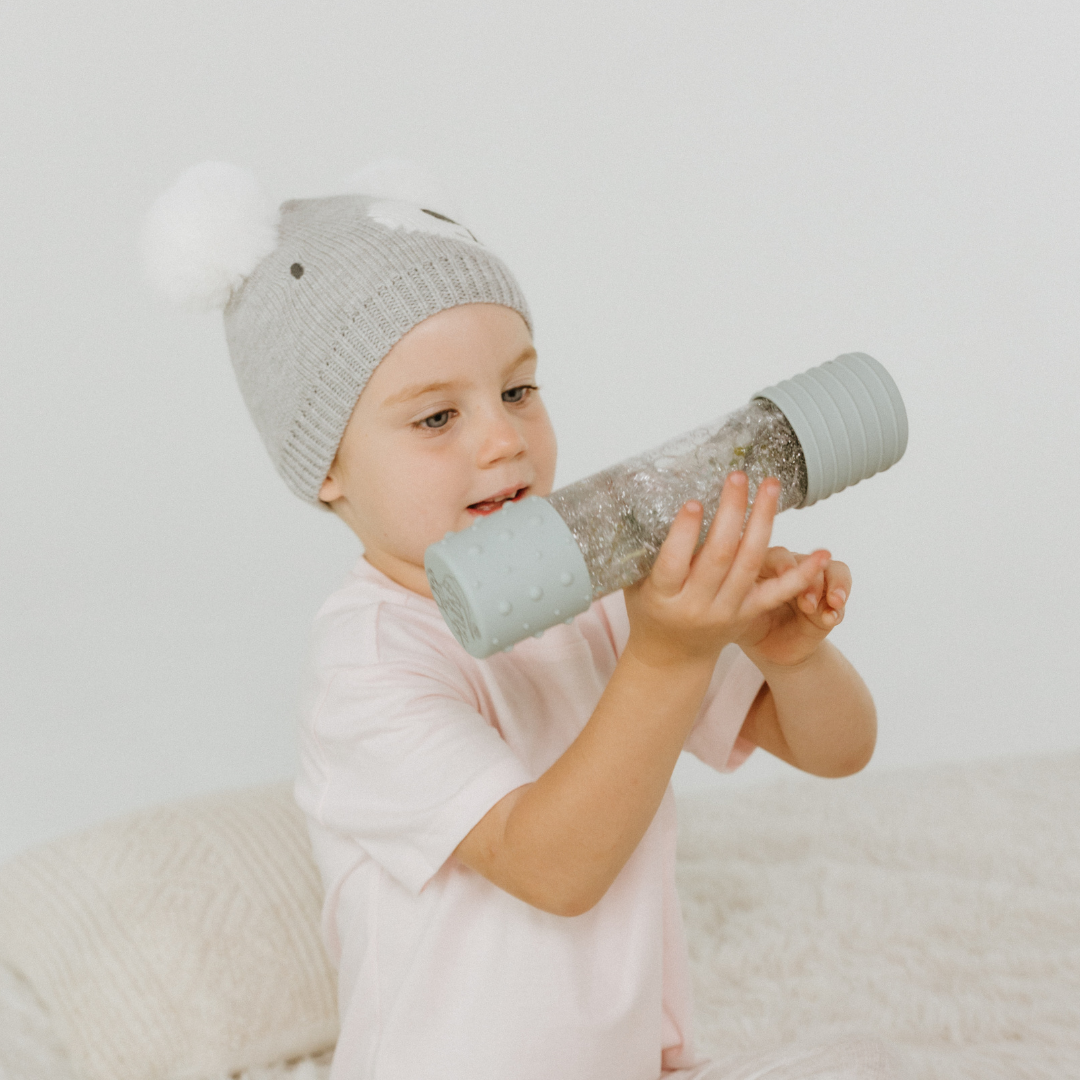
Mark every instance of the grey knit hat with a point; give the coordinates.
(315, 294)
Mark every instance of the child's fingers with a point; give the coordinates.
(837, 584)
(824, 601)
(810, 600)
(754, 547)
(777, 560)
(779, 590)
(672, 564)
(836, 591)
(713, 561)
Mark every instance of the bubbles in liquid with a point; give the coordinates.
(620, 517)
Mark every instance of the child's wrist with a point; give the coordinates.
(669, 659)
(771, 667)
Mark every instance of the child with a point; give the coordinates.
(497, 837)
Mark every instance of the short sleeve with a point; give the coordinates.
(715, 737)
(404, 765)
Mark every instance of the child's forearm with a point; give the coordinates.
(818, 714)
(564, 838)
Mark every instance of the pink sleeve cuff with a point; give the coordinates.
(715, 738)
(458, 819)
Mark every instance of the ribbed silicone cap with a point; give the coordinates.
(513, 573)
(849, 419)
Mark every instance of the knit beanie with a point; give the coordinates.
(314, 292)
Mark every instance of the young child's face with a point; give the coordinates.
(449, 426)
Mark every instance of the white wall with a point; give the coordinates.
(700, 198)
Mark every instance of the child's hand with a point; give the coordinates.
(789, 633)
(691, 605)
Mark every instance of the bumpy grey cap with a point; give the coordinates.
(349, 276)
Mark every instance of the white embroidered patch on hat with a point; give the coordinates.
(402, 215)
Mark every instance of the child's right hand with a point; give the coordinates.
(559, 842)
(691, 605)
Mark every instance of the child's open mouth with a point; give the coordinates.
(489, 506)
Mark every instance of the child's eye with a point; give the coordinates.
(435, 421)
(517, 394)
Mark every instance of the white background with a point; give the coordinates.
(700, 198)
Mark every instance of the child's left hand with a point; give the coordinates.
(788, 634)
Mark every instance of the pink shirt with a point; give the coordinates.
(407, 742)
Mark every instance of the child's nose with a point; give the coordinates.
(501, 438)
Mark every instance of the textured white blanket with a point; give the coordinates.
(936, 908)
(178, 942)
(939, 909)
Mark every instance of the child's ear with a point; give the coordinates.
(331, 488)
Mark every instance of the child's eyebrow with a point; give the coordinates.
(411, 392)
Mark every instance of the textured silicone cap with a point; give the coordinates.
(849, 419)
(516, 572)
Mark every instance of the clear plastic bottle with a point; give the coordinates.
(544, 560)
(619, 517)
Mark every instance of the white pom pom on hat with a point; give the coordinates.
(207, 232)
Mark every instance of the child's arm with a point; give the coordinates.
(559, 843)
(817, 715)
(814, 710)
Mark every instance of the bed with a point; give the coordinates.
(937, 908)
